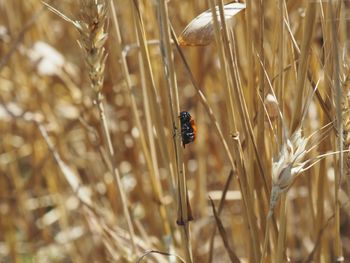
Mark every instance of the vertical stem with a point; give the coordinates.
(237, 90)
(251, 164)
(154, 175)
(266, 239)
(149, 160)
(309, 23)
(280, 85)
(282, 231)
(260, 112)
(261, 116)
(338, 97)
(115, 170)
(184, 211)
(281, 136)
(246, 196)
(320, 204)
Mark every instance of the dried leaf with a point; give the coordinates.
(200, 31)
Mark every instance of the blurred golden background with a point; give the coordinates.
(65, 92)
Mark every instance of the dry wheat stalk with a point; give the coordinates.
(346, 127)
(93, 35)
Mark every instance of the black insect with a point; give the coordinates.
(188, 128)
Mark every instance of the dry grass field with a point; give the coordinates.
(92, 166)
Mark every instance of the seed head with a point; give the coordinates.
(290, 163)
